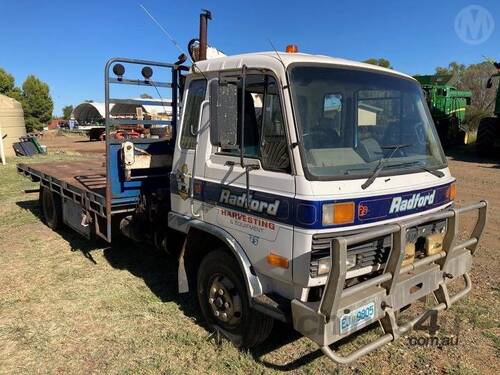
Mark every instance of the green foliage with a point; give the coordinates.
(454, 68)
(380, 62)
(6, 82)
(7, 86)
(473, 78)
(67, 112)
(37, 103)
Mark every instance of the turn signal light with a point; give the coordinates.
(292, 48)
(276, 260)
(451, 192)
(338, 213)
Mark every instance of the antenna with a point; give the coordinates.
(171, 38)
(275, 50)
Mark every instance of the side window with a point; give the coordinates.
(273, 146)
(196, 95)
(264, 131)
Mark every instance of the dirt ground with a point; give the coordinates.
(68, 305)
(68, 143)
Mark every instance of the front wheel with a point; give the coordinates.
(224, 303)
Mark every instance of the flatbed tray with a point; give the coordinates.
(88, 175)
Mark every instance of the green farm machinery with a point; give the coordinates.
(488, 132)
(447, 106)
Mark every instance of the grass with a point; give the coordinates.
(480, 315)
(73, 306)
(460, 369)
(495, 339)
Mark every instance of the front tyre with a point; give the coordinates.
(224, 303)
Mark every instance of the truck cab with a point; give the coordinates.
(284, 156)
(313, 134)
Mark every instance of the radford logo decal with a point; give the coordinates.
(416, 201)
(254, 204)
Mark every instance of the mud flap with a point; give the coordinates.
(182, 280)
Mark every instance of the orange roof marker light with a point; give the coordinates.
(292, 48)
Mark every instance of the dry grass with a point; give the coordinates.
(72, 306)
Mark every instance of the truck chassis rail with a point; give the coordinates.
(397, 287)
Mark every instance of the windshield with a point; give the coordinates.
(349, 119)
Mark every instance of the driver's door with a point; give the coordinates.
(266, 225)
(186, 164)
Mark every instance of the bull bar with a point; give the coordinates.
(398, 286)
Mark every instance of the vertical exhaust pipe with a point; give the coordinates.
(204, 17)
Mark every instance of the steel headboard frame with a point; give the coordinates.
(174, 85)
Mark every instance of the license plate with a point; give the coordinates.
(354, 319)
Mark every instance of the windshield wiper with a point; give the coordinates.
(422, 167)
(381, 162)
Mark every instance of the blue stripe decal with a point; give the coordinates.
(307, 214)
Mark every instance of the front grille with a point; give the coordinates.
(374, 252)
(369, 253)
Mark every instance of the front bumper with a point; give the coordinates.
(392, 290)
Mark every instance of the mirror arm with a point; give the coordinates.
(242, 128)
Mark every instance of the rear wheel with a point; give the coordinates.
(488, 133)
(51, 208)
(223, 300)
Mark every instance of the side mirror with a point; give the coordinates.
(224, 114)
(489, 84)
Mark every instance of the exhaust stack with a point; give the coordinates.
(204, 17)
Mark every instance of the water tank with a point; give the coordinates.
(11, 123)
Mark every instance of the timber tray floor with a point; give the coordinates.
(87, 175)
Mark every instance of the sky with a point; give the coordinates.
(66, 43)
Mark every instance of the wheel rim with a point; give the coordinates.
(224, 300)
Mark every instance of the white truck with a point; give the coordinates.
(304, 188)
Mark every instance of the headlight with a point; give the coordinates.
(338, 213)
(324, 264)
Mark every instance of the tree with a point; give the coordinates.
(455, 69)
(473, 78)
(379, 62)
(37, 103)
(67, 112)
(146, 96)
(6, 82)
(7, 86)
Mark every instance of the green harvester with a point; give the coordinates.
(447, 106)
(488, 132)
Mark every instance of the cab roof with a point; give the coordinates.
(271, 60)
